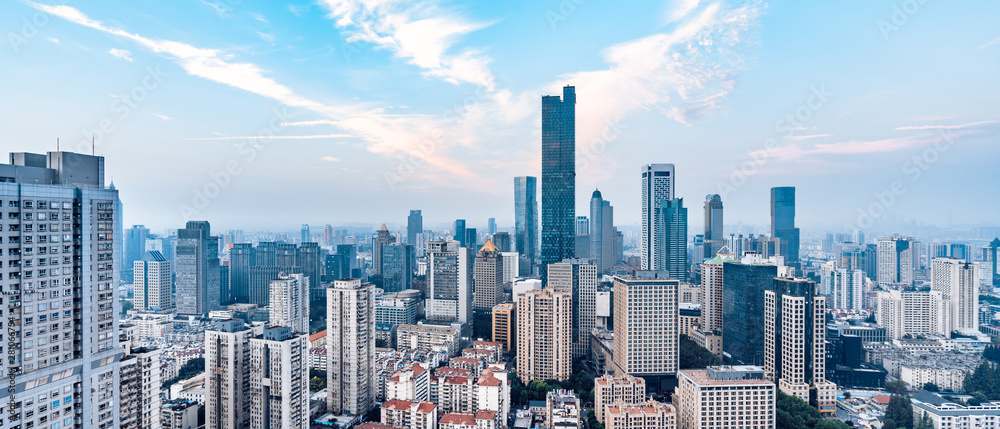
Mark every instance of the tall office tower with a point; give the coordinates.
(582, 225)
(135, 248)
(502, 241)
(81, 265)
(698, 249)
(289, 302)
(672, 256)
(578, 277)
(152, 286)
(488, 277)
(505, 326)
(725, 397)
(558, 176)
(743, 287)
(198, 282)
(309, 258)
(491, 226)
(242, 256)
(958, 280)
(898, 257)
(279, 379)
(397, 267)
(602, 232)
(471, 238)
(848, 289)
(783, 227)
(657, 184)
(382, 239)
(350, 347)
(913, 313)
(305, 237)
(795, 342)
(871, 261)
(347, 255)
(460, 231)
(991, 256)
(713, 226)
(328, 235)
(140, 388)
(267, 253)
(646, 327)
(712, 308)
(227, 375)
(960, 251)
(260, 282)
(414, 227)
(544, 335)
(526, 221)
(449, 282)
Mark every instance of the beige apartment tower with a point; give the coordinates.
(578, 277)
(958, 280)
(289, 302)
(544, 328)
(610, 390)
(646, 326)
(505, 326)
(488, 277)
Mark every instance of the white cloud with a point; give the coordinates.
(164, 117)
(329, 158)
(260, 18)
(680, 10)
(217, 8)
(277, 137)
(990, 43)
(121, 53)
(806, 137)
(944, 127)
(53, 40)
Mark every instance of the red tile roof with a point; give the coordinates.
(397, 404)
(426, 407)
(882, 399)
(317, 335)
(458, 418)
(486, 415)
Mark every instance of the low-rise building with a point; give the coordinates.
(955, 416)
(409, 414)
(179, 414)
(562, 409)
(442, 339)
(411, 384)
(649, 415)
(610, 390)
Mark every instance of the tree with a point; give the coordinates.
(693, 356)
(190, 369)
(793, 413)
(985, 379)
(900, 411)
(992, 353)
(931, 387)
(896, 387)
(847, 395)
(925, 422)
(592, 421)
(316, 384)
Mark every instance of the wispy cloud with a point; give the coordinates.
(219, 10)
(990, 43)
(680, 9)
(807, 137)
(330, 158)
(53, 40)
(269, 38)
(164, 117)
(419, 33)
(121, 53)
(944, 127)
(260, 18)
(278, 137)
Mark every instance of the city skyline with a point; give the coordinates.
(251, 60)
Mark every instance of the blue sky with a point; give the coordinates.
(378, 107)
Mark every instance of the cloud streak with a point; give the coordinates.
(944, 127)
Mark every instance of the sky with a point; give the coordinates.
(264, 114)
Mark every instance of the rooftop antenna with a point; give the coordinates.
(92, 146)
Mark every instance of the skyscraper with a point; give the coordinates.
(152, 284)
(646, 327)
(602, 232)
(488, 278)
(289, 302)
(783, 224)
(491, 226)
(471, 238)
(449, 282)
(141, 379)
(795, 342)
(242, 257)
(714, 236)
(657, 184)
(397, 267)
(78, 285)
(227, 375)
(579, 278)
(279, 379)
(544, 331)
(460, 232)
(958, 280)
(558, 176)
(582, 225)
(382, 239)
(414, 226)
(309, 259)
(198, 277)
(502, 241)
(712, 308)
(672, 256)
(526, 220)
(991, 256)
(848, 288)
(350, 347)
(743, 287)
(305, 236)
(135, 248)
(898, 258)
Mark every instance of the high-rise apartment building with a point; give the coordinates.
(672, 256)
(743, 287)
(180, 414)
(783, 227)
(449, 282)
(713, 226)
(610, 390)
(913, 313)
(580, 279)
(526, 220)
(558, 176)
(991, 256)
(505, 326)
(350, 347)
(140, 388)
(414, 227)
(795, 342)
(712, 307)
(958, 280)
(847, 288)
(544, 335)
(227, 375)
(646, 327)
(61, 243)
(289, 302)
(152, 283)
(279, 379)
(199, 286)
(382, 239)
(725, 397)
(898, 258)
(657, 184)
(488, 277)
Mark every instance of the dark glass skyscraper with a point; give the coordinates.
(526, 220)
(713, 226)
(397, 267)
(471, 238)
(783, 227)
(558, 176)
(135, 248)
(198, 282)
(460, 232)
(674, 233)
(242, 257)
(414, 226)
(743, 289)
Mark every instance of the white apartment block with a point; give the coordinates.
(610, 390)
(350, 347)
(648, 415)
(725, 397)
(446, 339)
(897, 258)
(958, 280)
(955, 416)
(578, 277)
(646, 325)
(59, 280)
(279, 379)
(711, 283)
(152, 284)
(467, 394)
(409, 414)
(449, 282)
(411, 384)
(562, 409)
(544, 335)
(847, 288)
(947, 379)
(140, 389)
(227, 381)
(511, 266)
(914, 313)
(289, 302)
